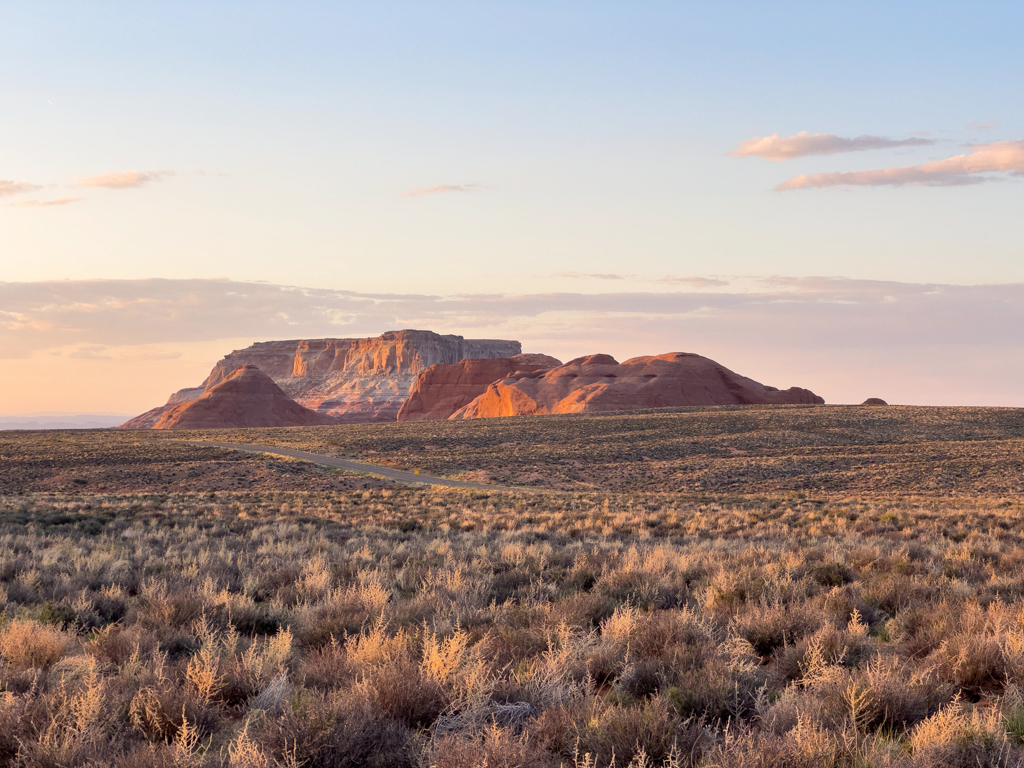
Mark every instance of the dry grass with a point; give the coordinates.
(397, 627)
(111, 461)
(830, 450)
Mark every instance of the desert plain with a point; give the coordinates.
(702, 586)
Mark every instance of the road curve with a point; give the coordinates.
(355, 466)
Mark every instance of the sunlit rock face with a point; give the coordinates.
(246, 397)
(598, 383)
(444, 388)
(350, 380)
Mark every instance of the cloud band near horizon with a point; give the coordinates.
(846, 339)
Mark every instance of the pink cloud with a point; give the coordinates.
(997, 157)
(440, 189)
(593, 275)
(46, 203)
(16, 187)
(695, 282)
(123, 179)
(779, 148)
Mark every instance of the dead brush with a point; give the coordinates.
(260, 671)
(11, 717)
(344, 729)
(447, 659)
(509, 642)
(73, 724)
(808, 744)
(400, 688)
(324, 668)
(979, 648)
(25, 643)
(494, 746)
(612, 734)
(160, 712)
(245, 752)
(117, 644)
(768, 625)
(962, 736)
(159, 607)
(339, 614)
(203, 673)
(315, 581)
(561, 673)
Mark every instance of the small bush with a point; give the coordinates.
(25, 643)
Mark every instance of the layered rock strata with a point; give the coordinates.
(444, 388)
(350, 380)
(598, 383)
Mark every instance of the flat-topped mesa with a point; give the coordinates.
(444, 388)
(351, 380)
(598, 383)
(299, 363)
(247, 397)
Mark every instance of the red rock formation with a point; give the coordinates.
(597, 383)
(352, 380)
(874, 401)
(444, 388)
(247, 397)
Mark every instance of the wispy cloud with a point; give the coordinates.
(90, 352)
(46, 203)
(122, 179)
(16, 187)
(440, 189)
(593, 275)
(694, 282)
(982, 125)
(779, 148)
(998, 157)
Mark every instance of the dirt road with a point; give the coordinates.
(355, 466)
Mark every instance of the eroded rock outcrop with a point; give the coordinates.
(351, 380)
(444, 388)
(598, 383)
(246, 397)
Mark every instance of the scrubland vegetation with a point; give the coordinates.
(125, 462)
(392, 626)
(726, 449)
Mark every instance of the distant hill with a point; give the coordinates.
(530, 385)
(246, 398)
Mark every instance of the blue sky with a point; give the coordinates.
(514, 148)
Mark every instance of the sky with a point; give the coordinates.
(815, 194)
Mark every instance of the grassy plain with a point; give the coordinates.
(717, 587)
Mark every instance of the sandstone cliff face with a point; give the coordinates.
(358, 380)
(444, 388)
(246, 397)
(351, 380)
(598, 383)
